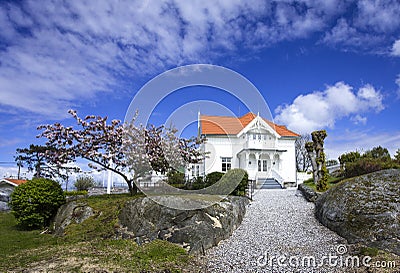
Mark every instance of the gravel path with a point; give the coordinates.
(278, 222)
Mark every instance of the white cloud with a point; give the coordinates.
(322, 109)
(349, 37)
(358, 119)
(57, 53)
(396, 48)
(347, 141)
(380, 15)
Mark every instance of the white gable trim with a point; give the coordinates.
(258, 122)
(3, 180)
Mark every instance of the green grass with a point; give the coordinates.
(87, 247)
(331, 182)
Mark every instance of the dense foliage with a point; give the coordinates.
(35, 202)
(348, 158)
(376, 159)
(213, 178)
(241, 188)
(36, 159)
(83, 183)
(175, 177)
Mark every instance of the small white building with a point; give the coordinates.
(7, 186)
(261, 147)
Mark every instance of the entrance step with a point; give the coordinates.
(269, 183)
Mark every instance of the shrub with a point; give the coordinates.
(362, 166)
(74, 193)
(197, 183)
(240, 189)
(175, 178)
(213, 178)
(224, 185)
(35, 202)
(83, 183)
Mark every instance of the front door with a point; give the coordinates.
(263, 166)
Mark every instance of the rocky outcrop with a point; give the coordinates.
(71, 212)
(365, 209)
(309, 194)
(196, 230)
(4, 198)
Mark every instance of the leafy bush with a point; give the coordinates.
(197, 183)
(362, 166)
(74, 193)
(175, 177)
(83, 183)
(379, 153)
(240, 189)
(224, 186)
(35, 202)
(213, 178)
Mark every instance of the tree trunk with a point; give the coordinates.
(314, 166)
(133, 189)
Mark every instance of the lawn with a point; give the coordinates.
(331, 182)
(88, 247)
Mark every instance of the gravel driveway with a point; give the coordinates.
(279, 223)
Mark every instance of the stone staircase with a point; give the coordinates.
(268, 183)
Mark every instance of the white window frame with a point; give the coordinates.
(226, 163)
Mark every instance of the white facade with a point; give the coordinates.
(257, 148)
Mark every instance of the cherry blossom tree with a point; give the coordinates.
(126, 149)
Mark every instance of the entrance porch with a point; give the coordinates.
(262, 164)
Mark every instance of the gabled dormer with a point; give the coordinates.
(261, 127)
(223, 125)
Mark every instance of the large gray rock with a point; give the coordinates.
(365, 209)
(4, 198)
(71, 212)
(196, 230)
(309, 194)
(4, 206)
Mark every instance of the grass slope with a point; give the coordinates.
(88, 247)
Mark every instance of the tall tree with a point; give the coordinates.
(348, 158)
(379, 153)
(36, 159)
(397, 156)
(315, 150)
(116, 147)
(303, 162)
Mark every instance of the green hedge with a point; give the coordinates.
(368, 165)
(213, 178)
(74, 193)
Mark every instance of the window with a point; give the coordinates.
(197, 170)
(254, 136)
(259, 137)
(192, 170)
(226, 163)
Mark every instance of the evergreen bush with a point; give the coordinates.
(213, 178)
(83, 183)
(36, 202)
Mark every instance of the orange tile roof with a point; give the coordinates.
(221, 125)
(16, 181)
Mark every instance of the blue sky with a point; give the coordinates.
(331, 65)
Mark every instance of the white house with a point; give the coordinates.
(263, 148)
(7, 186)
